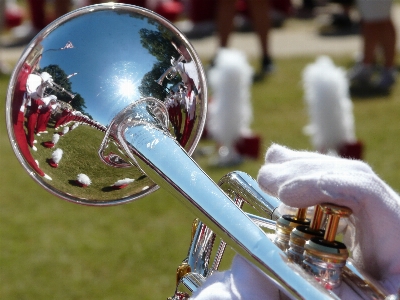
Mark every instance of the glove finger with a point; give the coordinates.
(280, 154)
(337, 188)
(277, 154)
(272, 176)
(356, 190)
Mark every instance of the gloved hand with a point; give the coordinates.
(303, 179)
(242, 281)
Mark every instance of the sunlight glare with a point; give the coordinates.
(126, 88)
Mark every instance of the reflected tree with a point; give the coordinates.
(154, 42)
(78, 103)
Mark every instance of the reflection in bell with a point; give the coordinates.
(56, 158)
(122, 183)
(126, 88)
(94, 63)
(83, 180)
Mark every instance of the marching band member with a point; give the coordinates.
(303, 179)
(46, 80)
(65, 111)
(32, 116)
(36, 87)
(50, 103)
(22, 100)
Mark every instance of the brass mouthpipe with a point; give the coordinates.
(58, 88)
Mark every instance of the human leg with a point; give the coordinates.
(37, 14)
(388, 42)
(370, 34)
(225, 15)
(62, 7)
(259, 10)
(260, 15)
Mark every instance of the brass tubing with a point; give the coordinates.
(334, 213)
(331, 228)
(301, 214)
(317, 219)
(181, 271)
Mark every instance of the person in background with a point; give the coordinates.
(201, 16)
(4, 69)
(39, 18)
(379, 34)
(260, 12)
(342, 21)
(169, 9)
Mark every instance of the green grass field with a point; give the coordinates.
(53, 249)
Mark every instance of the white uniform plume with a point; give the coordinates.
(83, 179)
(123, 181)
(55, 138)
(230, 111)
(330, 108)
(57, 155)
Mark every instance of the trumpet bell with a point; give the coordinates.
(114, 53)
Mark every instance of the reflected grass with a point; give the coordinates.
(80, 155)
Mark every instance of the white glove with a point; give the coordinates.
(242, 281)
(304, 179)
(47, 78)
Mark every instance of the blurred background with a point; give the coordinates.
(52, 249)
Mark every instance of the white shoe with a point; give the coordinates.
(47, 177)
(34, 148)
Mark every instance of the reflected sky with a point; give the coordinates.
(108, 57)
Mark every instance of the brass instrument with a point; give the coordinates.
(57, 88)
(154, 145)
(60, 89)
(172, 71)
(302, 240)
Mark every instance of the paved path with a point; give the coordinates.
(296, 38)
